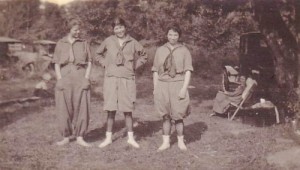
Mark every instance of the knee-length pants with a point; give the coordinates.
(119, 94)
(167, 102)
(72, 98)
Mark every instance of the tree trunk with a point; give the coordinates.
(284, 45)
(281, 41)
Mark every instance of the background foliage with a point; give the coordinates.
(211, 28)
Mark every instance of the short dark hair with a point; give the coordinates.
(175, 28)
(74, 22)
(118, 21)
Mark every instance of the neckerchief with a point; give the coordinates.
(120, 55)
(169, 64)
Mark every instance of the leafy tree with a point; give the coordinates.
(277, 21)
(26, 20)
(17, 16)
(51, 23)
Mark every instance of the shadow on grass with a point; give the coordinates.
(11, 113)
(192, 132)
(147, 128)
(99, 133)
(142, 130)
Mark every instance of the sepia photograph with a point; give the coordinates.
(149, 84)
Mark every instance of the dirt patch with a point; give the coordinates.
(213, 142)
(288, 159)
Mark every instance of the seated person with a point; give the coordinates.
(41, 88)
(223, 99)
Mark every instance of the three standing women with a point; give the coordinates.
(121, 55)
(72, 60)
(172, 69)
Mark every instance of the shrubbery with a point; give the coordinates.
(211, 28)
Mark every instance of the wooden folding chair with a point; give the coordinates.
(246, 95)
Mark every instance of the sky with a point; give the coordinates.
(59, 2)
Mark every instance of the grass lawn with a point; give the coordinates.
(29, 132)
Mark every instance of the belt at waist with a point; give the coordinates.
(78, 65)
